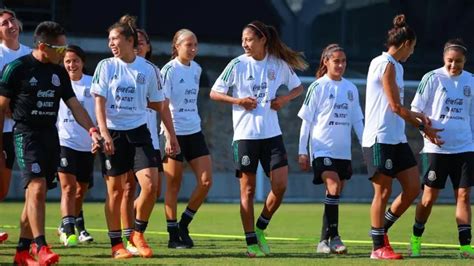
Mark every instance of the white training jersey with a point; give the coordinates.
(6, 56)
(448, 102)
(152, 125)
(127, 87)
(331, 107)
(181, 87)
(260, 80)
(71, 134)
(382, 125)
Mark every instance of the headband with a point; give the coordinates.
(462, 47)
(255, 27)
(329, 52)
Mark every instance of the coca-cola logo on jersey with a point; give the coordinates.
(45, 94)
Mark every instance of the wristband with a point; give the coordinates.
(92, 130)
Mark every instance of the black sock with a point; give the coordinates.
(251, 238)
(173, 230)
(464, 231)
(127, 232)
(40, 242)
(331, 211)
(324, 229)
(390, 219)
(377, 237)
(23, 244)
(186, 217)
(140, 226)
(68, 225)
(418, 228)
(262, 222)
(80, 223)
(115, 237)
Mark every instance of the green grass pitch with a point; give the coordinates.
(292, 235)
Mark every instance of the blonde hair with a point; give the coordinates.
(178, 37)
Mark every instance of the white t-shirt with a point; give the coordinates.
(382, 125)
(448, 102)
(126, 88)
(71, 134)
(260, 80)
(152, 125)
(181, 87)
(331, 107)
(7, 55)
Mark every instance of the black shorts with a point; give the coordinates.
(192, 146)
(133, 151)
(77, 163)
(343, 168)
(8, 149)
(270, 152)
(388, 159)
(37, 151)
(459, 167)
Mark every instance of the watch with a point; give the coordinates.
(421, 127)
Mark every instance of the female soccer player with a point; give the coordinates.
(445, 96)
(181, 86)
(329, 112)
(255, 77)
(384, 142)
(10, 49)
(124, 86)
(76, 167)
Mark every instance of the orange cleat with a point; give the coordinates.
(24, 258)
(119, 252)
(138, 240)
(385, 253)
(47, 257)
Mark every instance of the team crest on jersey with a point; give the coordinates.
(108, 164)
(33, 82)
(87, 92)
(245, 160)
(388, 164)
(35, 168)
(350, 96)
(271, 74)
(141, 78)
(431, 175)
(467, 91)
(327, 161)
(64, 162)
(55, 80)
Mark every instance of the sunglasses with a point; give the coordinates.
(57, 48)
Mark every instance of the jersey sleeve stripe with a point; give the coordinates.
(95, 79)
(424, 82)
(228, 70)
(9, 69)
(310, 92)
(166, 70)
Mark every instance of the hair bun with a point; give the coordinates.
(399, 21)
(128, 20)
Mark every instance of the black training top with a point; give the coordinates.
(35, 89)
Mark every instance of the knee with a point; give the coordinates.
(247, 193)
(463, 196)
(149, 187)
(279, 188)
(68, 190)
(206, 184)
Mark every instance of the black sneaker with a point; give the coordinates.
(185, 238)
(177, 244)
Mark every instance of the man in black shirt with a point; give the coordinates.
(32, 87)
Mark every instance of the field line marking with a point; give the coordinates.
(368, 242)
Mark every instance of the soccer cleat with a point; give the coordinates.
(336, 245)
(3, 237)
(47, 257)
(262, 242)
(24, 258)
(177, 244)
(415, 246)
(386, 242)
(60, 230)
(254, 251)
(323, 247)
(138, 240)
(33, 249)
(131, 248)
(185, 238)
(85, 237)
(119, 252)
(68, 241)
(385, 253)
(466, 252)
